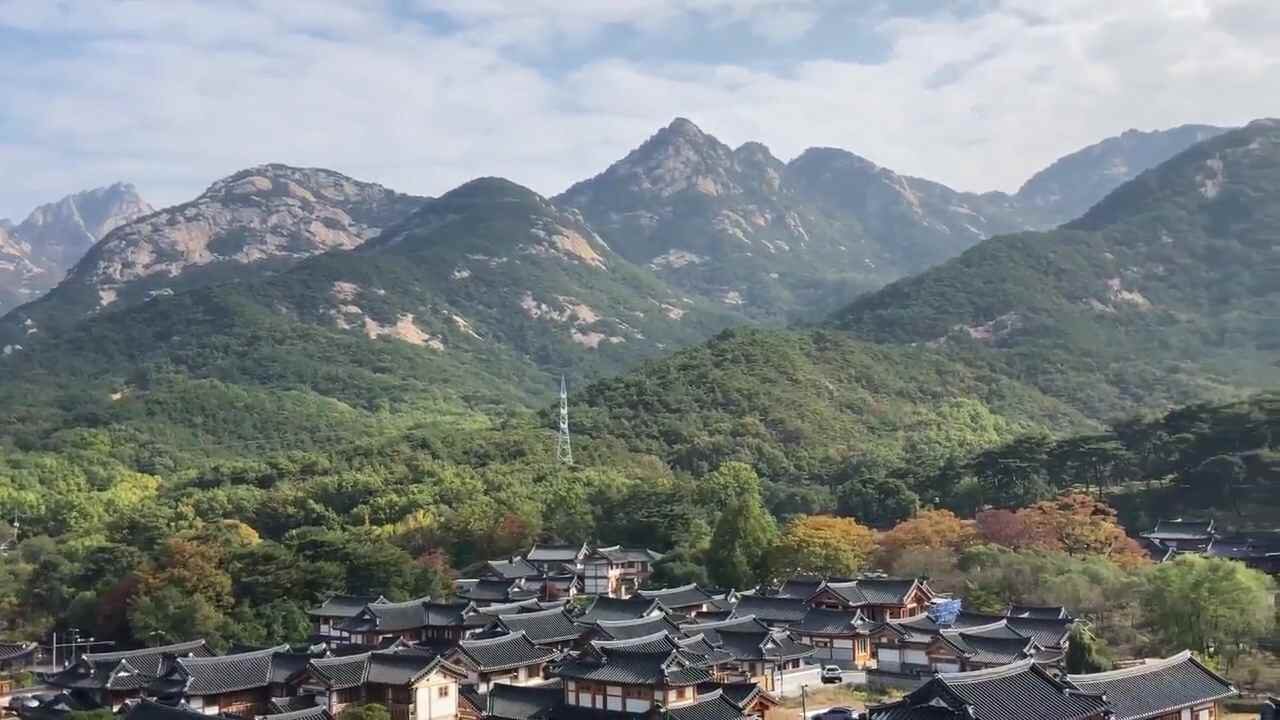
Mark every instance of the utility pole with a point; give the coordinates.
(564, 448)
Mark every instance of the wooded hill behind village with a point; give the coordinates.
(307, 424)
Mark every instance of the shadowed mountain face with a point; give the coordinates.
(1071, 185)
(35, 255)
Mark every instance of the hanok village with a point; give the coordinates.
(576, 632)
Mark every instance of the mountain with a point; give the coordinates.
(1072, 184)
(1166, 291)
(36, 254)
(478, 298)
(264, 218)
(776, 239)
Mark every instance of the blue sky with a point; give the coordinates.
(421, 95)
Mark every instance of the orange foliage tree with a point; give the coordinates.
(822, 544)
(1076, 524)
(928, 530)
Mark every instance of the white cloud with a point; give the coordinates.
(175, 93)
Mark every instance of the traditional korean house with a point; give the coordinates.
(648, 676)
(552, 559)
(411, 686)
(513, 702)
(1182, 535)
(1175, 688)
(633, 608)
(17, 655)
(512, 568)
(1018, 691)
(631, 629)
(150, 710)
(777, 612)
(337, 609)
(879, 598)
(687, 600)
(748, 697)
(801, 587)
(838, 637)
(759, 653)
(241, 684)
(109, 679)
(1039, 612)
(1049, 633)
(1258, 550)
(512, 659)
(493, 592)
(616, 571)
(381, 622)
(920, 645)
(552, 629)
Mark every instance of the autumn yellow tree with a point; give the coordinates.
(930, 530)
(822, 544)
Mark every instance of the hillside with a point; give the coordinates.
(1165, 292)
(36, 254)
(258, 220)
(1071, 185)
(479, 298)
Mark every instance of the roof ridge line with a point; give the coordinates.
(1147, 665)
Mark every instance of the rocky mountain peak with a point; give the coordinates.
(270, 212)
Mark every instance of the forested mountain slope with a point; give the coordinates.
(481, 297)
(1167, 291)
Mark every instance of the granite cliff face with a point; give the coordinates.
(35, 255)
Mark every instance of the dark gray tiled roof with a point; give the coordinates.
(486, 590)
(389, 617)
(655, 659)
(678, 598)
(714, 706)
(618, 554)
(516, 567)
(988, 649)
(345, 606)
(14, 651)
(504, 652)
(518, 702)
(873, 590)
(746, 638)
(1182, 530)
(225, 673)
(817, 621)
(126, 669)
(555, 553)
(607, 608)
(738, 693)
(1156, 688)
(384, 668)
(625, 629)
(1047, 632)
(800, 586)
(773, 610)
(1041, 612)
(542, 627)
(149, 710)
(1017, 691)
(311, 713)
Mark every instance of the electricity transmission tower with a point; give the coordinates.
(564, 448)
